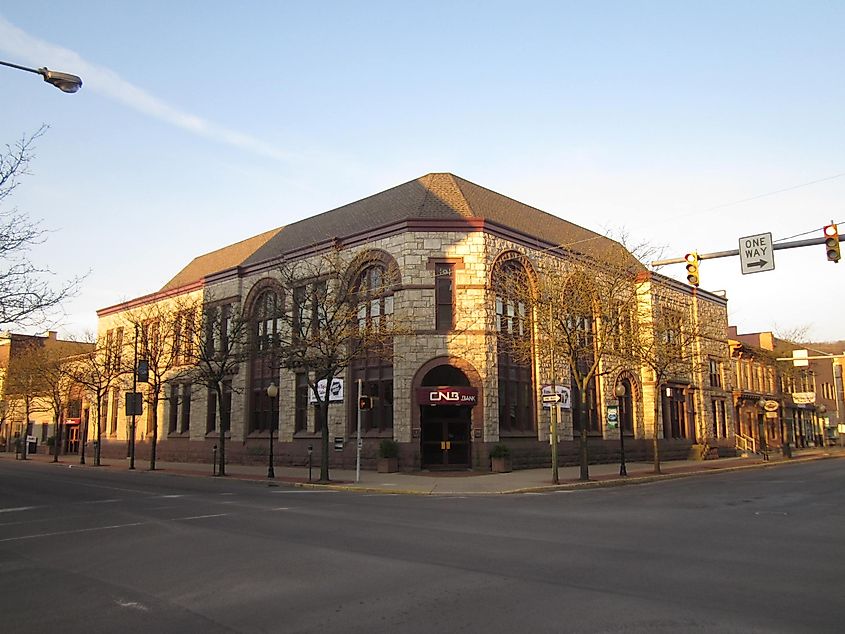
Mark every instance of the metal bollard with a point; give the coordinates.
(214, 461)
(310, 451)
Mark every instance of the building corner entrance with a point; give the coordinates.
(446, 400)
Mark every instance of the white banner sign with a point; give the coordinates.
(335, 395)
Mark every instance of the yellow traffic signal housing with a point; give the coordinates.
(831, 242)
(692, 268)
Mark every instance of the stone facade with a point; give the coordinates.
(470, 241)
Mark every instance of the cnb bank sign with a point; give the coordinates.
(447, 395)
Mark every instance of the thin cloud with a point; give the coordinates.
(30, 50)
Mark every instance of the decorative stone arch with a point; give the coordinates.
(636, 398)
(510, 255)
(368, 258)
(264, 284)
(474, 380)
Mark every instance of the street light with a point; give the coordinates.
(761, 404)
(63, 81)
(272, 392)
(620, 392)
(821, 410)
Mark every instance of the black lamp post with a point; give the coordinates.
(761, 404)
(620, 392)
(272, 392)
(63, 81)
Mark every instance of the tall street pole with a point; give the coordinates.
(134, 401)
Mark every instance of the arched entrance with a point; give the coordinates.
(446, 400)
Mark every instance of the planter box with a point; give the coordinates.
(500, 465)
(388, 465)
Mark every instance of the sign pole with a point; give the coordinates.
(554, 410)
(358, 440)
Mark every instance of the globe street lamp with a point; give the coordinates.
(272, 392)
(63, 81)
(761, 404)
(620, 392)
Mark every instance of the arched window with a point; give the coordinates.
(373, 292)
(266, 323)
(514, 348)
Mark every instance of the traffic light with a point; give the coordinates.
(831, 242)
(143, 371)
(365, 402)
(692, 267)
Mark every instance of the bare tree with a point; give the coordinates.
(669, 341)
(215, 338)
(25, 384)
(98, 371)
(161, 329)
(27, 296)
(58, 384)
(330, 323)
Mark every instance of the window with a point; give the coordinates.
(115, 404)
(114, 349)
(174, 408)
(444, 296)
(180, 408)
(183, 336)
(374, 294)
(266, 325)
(674, 413)
(212, 410)
(720, 424)
(301, 402)
(513, 341)
(591, 408)
(715, 373)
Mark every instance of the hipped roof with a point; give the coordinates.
(437, 196)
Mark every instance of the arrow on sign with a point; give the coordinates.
(757, 263)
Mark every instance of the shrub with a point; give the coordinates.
(388, 449)
(500, 451)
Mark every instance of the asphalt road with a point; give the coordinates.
(87, 550)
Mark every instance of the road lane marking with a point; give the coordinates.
(79, 530)
(15, 509)
(132, 604)
(101, 501)
(197, 517)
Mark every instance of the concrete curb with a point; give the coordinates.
(571, 485)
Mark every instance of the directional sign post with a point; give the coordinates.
(756, 254)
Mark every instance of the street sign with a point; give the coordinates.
(756, 254)
(551, 398)
(564, 394)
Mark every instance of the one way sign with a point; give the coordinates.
(756, 254)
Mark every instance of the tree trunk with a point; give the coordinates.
(585, 458)
(99, 433)
(324, 453)
(655, 435)
(57, 438)
(224, 424)
(154, 443)
(84, 437)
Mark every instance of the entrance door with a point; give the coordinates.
(446, 438)
(72, 439)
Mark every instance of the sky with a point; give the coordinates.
(683, 125)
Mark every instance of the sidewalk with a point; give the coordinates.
(462, 483)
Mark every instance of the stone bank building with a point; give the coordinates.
(447, 394)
